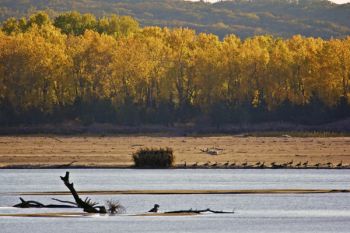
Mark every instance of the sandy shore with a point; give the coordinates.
(186, 192)
(47, 215)
(233, 151)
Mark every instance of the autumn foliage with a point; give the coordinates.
(77, 67)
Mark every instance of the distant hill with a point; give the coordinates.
(317, 18)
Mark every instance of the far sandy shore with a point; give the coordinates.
(116, 152)
(186, 192)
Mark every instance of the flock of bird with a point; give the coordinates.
(259, 164)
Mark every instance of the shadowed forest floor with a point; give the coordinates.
(39, 151)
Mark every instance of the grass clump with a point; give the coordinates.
(154, 158)
(114, 207)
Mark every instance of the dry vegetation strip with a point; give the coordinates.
(117, 151)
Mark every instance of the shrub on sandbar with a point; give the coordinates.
(154, 158)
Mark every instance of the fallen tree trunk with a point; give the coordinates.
(87, 205)
(36, 204)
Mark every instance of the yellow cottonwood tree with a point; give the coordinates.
(181, 41)
(206, 68)
(255, 57)
(277, 83)
(157, 88)
(129, 68)
(231, 69)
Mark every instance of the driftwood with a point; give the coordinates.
(36, 204)
(67, 202)
(114, 207)
(87, 204)
(199, 211)
(212, 151)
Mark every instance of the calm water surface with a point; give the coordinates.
(254, 213)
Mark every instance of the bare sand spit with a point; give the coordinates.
(186, 192)
(79, 215)
(48, 215)
(63, 151)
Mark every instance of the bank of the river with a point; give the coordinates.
(191, 152)
(187, 192)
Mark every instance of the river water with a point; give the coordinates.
(328, 212)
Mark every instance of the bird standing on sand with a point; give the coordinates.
(262, 165)
(340, 164)
(154, 209)
(305, 164)
(206, 164)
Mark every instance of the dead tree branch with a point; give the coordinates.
(62, 201)
(87, 204)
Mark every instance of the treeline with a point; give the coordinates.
(76, 67)
(244, 18)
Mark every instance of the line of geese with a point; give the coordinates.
(262, 165)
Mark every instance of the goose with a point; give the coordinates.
(215, 164)
(195, 164)
(245, 164)
(305, 164)
(262, 165)
(227, 163)
(329, 164)
(298, 164)
(317, 165)
(206, 164)
(258, 164)
(233, 164)
(340, 164)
